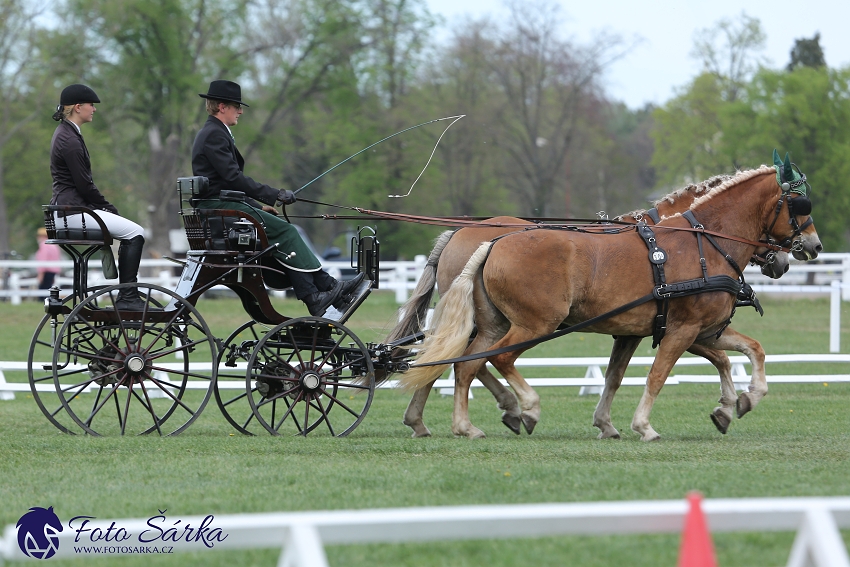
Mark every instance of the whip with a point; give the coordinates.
(452, 118)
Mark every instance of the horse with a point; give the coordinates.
(580, 280)
(452, 250)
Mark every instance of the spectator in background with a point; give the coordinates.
(46, 253)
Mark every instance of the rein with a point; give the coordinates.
(599, 224)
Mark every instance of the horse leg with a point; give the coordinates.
(528, 399)
(413, 413)
(733, 340)
(464, 374)
(721, 416)
(506, 400)
(669, 351)
(621, 354)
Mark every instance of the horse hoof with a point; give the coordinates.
(512, 422)
(604, 435)
(743, 405)
(471, 433)
(529, 423)
(721, 422)
(648, 438)
(419, 430)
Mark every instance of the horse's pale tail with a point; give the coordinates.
(454, 320)
(414, 312)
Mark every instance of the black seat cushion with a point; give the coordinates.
(79, 234)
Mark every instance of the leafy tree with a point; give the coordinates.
(688, 132)
(24, 89)
(154, 58)
(805, 112)
(461, 81)
(728, 50)
(807, 53)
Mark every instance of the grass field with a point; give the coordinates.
(795, 443)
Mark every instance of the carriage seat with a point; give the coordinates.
(58, 231)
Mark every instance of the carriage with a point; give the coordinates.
(101, 371)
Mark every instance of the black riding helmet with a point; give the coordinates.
(77, 94)
(74, 94)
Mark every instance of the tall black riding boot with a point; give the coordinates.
(129, 258)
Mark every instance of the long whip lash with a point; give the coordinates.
(456, 118)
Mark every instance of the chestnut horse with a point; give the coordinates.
(453, 249)
(581, 279)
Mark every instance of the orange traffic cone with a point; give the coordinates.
(697, 549)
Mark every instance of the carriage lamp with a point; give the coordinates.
(52, 303)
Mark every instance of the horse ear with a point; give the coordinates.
(788, 173)
(776, 160)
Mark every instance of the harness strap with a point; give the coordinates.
(653, 214)
(657, 258)
(537, 341)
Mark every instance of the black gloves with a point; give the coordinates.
(286, 197)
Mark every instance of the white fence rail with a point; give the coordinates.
(592, 382)
(301, 536)
(829, 277)
(20, 282)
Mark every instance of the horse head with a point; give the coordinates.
(793, 212)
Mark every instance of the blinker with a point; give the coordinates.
(800, 206)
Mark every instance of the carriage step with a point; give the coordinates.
(356, 297)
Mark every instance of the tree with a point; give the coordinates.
(807, 53)
(461, 81)
(805, 112)
(154, 58)
(544, 81)
(729, 50)
(24, 88)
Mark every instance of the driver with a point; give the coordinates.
(215, 156)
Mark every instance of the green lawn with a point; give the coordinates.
(795, 443)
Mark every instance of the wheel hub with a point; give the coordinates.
(310, 381)
(135, 363)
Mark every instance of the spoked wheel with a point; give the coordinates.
(310, 375)
(40, 368)
(230, 394)
(130, 371)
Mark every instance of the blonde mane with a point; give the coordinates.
(703, 190)
(739, 177)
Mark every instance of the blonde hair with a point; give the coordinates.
(63, 112)
(212, 106)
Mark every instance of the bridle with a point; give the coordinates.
(799, 206)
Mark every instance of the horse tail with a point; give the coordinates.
(453, 323)
(413, 313)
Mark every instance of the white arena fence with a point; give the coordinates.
(19, 279)
(301, 536)
(828, 275)
(592, 383)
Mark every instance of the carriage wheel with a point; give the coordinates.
(131, 371)
(229, 387)
(310, 374)
(40, 368)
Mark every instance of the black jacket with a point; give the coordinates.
(214, 156)
(70, 167)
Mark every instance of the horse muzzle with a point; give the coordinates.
(807, 247)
